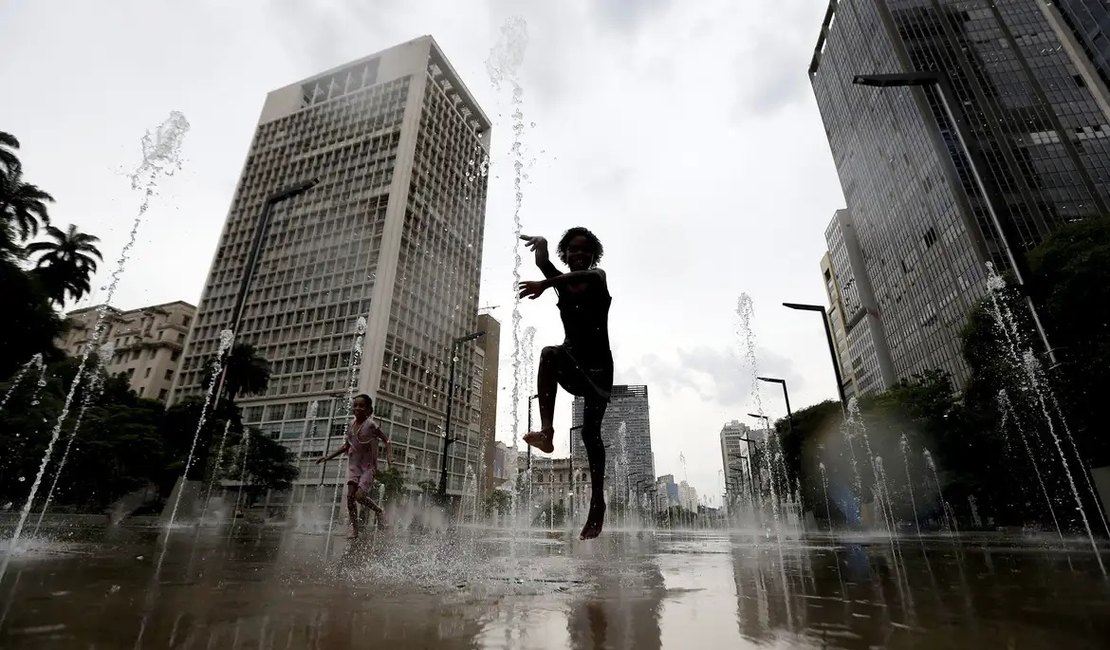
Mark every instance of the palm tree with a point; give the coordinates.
(22, 205)
(8, 159)
(65, 264)
(247, 371)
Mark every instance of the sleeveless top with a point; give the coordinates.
(585, 317)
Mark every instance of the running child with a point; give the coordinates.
(361, 447)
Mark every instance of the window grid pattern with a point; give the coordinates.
(315, 274)
(435, 297)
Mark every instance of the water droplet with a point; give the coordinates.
(22, 479)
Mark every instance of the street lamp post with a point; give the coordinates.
(785, 395)
(447, 439)
(947, 101)
(252, 259)
(832, 348)
(571, 457)
(529, 462)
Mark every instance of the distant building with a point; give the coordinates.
(734, 459)
(486, 362)
(687, 497)
(862, 350)
(666, 493)
(629, 465)
(501, 463)
(147, 342)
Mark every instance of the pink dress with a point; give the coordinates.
(362, 459)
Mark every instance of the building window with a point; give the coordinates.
(169, 375)
(175, 356)
(185, 320)
(147, 374)
(163, 393)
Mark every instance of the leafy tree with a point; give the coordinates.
(66, 263)
(22, 210)
(269, 465)
(9, 161)
(29, 324)
(1070, 281)
(393, 481)
(248, 372)
(497, 501)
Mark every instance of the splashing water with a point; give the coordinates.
(227, 338)
(161, 158)
(503, 66)
(97, 377)
(1008, 415)
(825, 485)
(34, 362)
(1038, 385)
(744, 312)
(905, 444)
(940, 491)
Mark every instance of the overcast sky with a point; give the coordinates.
(684, 134)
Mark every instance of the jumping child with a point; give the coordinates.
(361, 445)
(583, 364)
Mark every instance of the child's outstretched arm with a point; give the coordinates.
(543, 257)
(335, 454)
(534, 289)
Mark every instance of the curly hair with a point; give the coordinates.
(579, 231)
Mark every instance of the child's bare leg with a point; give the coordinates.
(362, 497)
(352, 508)
(593, 413)
(546, 385)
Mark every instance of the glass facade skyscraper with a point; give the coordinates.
(629, 465)
(392, 233)
(1036, 119)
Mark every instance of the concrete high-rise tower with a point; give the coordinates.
(391, 233)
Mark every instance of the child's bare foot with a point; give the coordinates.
(594, 521)
(541, 440)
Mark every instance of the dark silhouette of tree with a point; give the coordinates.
(66, 262)
(22, 205)
(29, 324)
(8, 158)
(248, 372)
(269, 465)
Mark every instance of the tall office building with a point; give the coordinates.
(860, 340)
(628, 459)
(734, 454)
(489, 356)
(838, 325)
(392, 234)
(147, 343)
(1031, 99)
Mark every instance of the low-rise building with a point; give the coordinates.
(146, 342)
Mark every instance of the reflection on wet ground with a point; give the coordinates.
(265, 587)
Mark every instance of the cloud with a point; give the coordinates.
(627, 15)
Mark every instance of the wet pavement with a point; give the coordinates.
(271, 587)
